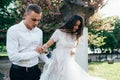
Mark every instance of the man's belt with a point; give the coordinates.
(24, 68)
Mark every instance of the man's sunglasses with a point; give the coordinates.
(33, 19)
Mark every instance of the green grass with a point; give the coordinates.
(105, 70)
(3, 53)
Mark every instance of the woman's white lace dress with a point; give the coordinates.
(62, 65)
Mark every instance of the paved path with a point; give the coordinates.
(4, 68)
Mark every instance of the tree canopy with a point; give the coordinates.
(116, 31)
(11, 12)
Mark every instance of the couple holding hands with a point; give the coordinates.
(24, 53)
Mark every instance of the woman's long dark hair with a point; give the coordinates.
(69, 25)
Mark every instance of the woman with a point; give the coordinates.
(63, 66)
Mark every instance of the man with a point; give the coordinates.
(23, 46)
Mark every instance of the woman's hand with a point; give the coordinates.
(39, 49)
(44, 48)
(72, 53)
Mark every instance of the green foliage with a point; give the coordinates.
(11, 12)
(95, 40)
(109, 40)
(4, 3)
(8, 14)
(116, 31)
(100, 33)
(102, 39)
(51, 14)
(8, 17)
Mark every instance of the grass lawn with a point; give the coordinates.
(105, 70)
(3, 53)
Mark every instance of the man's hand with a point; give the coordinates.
(39, 49)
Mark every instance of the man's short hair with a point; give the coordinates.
(33, 7)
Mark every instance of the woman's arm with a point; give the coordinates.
(48, 44)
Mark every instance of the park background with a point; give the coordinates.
(103, 25)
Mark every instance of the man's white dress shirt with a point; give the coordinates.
(21, 45)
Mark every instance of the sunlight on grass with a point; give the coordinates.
(3, 53)
(105, 70)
